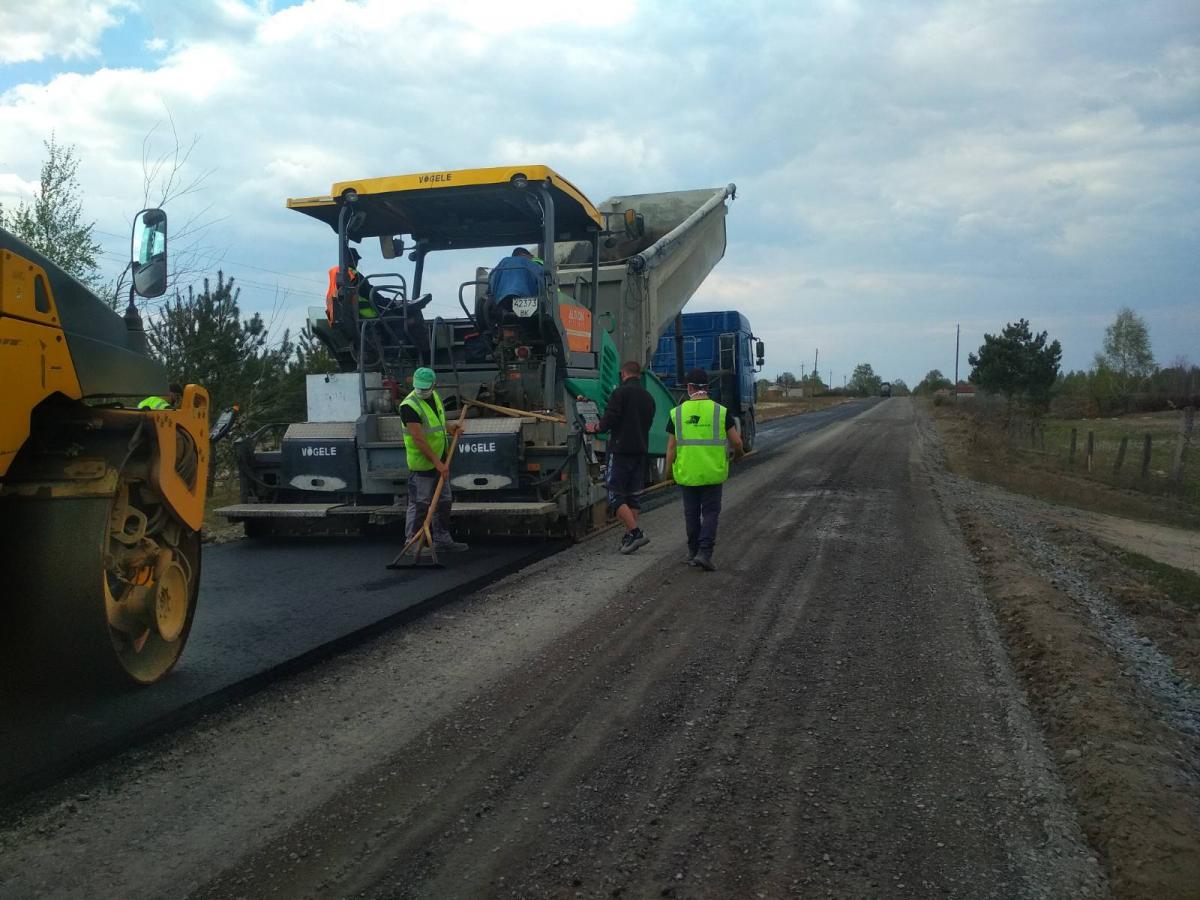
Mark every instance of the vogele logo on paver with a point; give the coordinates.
(318, 451)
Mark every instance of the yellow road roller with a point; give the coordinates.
(103, 473)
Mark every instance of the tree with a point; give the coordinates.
(311, 358)
(53, 223)
(1127, 346)
(202, 338)
(933, 381)
(1018, 364)
(900, 388)
(864, 381)
(760, 388)
(787, 381)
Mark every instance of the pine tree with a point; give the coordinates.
(1018, 364)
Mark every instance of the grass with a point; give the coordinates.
(224, 493)
(1163, 429)
(777, 409)
(1181, 586)
(978, 448)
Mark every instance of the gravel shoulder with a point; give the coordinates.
(1111, 666)
(832, 712)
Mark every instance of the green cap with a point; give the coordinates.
(424, 378)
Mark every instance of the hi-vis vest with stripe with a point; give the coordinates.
(433, 423)
(154, 403)
(700, 456)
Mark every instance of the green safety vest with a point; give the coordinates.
(154, 403)
(365, 309)
(700, 456)
(433, 423)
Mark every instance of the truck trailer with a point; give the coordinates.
(530, 375)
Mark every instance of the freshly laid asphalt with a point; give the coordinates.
(266, 608)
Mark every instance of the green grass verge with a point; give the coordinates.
(1180, 585)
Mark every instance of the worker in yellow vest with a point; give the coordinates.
(425, 445)
(174, 395)
(700, 430)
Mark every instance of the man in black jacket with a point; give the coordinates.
(627, 420)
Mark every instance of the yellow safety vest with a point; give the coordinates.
(700, 456)
(433, 424)
(154, 403)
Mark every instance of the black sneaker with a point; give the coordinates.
(634, 540)
(691, 558)
(703, 561)
(625, 538)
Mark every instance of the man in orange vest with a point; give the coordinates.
(415, 330)
(365, 309)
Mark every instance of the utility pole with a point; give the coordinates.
(816, 371)
(957, 331)
(802, 380)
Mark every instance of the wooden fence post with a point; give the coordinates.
(1186, 425)
(1091, 449)
(1071, 455)
(1121, 455)
(1146, 445)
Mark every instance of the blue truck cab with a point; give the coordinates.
(723, 345)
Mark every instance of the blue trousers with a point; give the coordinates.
(701, 510)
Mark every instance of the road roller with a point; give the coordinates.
(103, 472)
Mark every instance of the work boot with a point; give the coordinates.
(703, 560)
(633, 540)
(691, 557)
(451, 547)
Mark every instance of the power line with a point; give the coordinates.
(234, 262)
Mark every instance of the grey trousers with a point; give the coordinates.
(421, 486)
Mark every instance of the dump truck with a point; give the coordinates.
(723, 345)
(101, 502)
(531, 375)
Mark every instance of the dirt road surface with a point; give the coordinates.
(829, 714)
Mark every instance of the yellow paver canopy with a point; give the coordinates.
(463, 208)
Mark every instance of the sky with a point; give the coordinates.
(902, 167)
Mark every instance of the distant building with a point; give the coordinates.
(965, 390)
(774, 391)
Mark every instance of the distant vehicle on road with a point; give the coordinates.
(885, 389)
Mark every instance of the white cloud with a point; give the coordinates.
(15, 189)
(898, 169)
(63, 29)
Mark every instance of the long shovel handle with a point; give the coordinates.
(437, 491)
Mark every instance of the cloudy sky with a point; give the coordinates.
(901, 167)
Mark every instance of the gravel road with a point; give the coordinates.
(829, 714)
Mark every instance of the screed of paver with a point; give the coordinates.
(830, 711)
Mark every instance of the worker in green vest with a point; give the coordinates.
(699, 431)
(425, 443)
(174, 395)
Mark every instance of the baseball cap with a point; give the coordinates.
(697, 377)
(424, 378)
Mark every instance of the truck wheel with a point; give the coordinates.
(749, 430)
